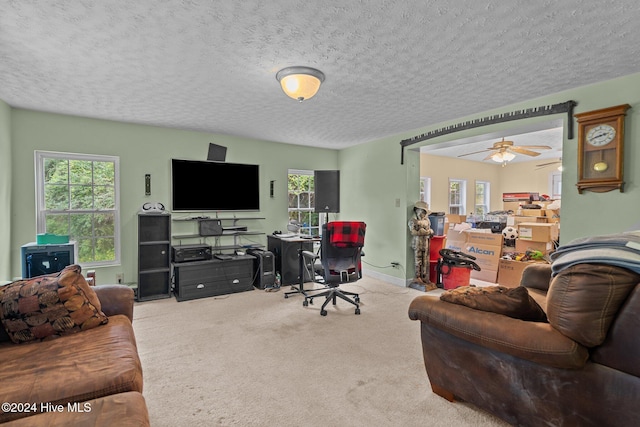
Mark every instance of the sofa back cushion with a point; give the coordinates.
(621, 349)
(49, 306)
(584, 299)
(512, 302)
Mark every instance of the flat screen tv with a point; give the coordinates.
(214, 186)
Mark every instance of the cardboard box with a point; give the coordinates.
(455, 218)
(487, 248)
(455, 240)
(553, 215)
(511, 206)
(532, 212)
(514, 220)
(538, 232)
(522, 196)
(510, 272)
(522, 246)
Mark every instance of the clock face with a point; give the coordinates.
(601, 135)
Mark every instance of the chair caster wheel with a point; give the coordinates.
(357, 311)
(286, 296)
(357, 299)
(311, 301)
(305, 303)
(323, 312)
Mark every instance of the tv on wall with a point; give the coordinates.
(214, 186)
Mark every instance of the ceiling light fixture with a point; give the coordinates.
(300, 83)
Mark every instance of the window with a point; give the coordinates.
(302, 201)
(556, 185)
(425, 189)
(457, 196)
(482, 197)
(77, 194)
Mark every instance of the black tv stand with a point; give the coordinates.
(201, 279)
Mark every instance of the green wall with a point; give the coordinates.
(145, 149)
(378, 163)
(5, 190)
(375, 187)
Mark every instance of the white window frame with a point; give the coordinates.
(40, 157)
(462, 206)
(425, 189)
(555, 184)
(311, 209)
(486, 202)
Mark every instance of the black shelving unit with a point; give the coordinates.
(154, 256)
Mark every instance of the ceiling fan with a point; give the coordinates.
(504, 151)
(556, 162)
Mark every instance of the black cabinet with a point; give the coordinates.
(154, 256)
(200, 279)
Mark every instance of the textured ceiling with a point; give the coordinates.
(391, 65)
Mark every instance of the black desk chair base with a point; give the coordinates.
(331, 295)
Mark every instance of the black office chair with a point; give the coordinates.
(340, 251)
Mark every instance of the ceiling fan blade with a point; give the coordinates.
(535, 147)
(476, 152)
(489, 157)
(520, 150)
(550, 163)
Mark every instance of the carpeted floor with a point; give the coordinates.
(257, 359)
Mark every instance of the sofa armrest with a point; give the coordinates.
(115, 299)
(534, 341)
(536, 276)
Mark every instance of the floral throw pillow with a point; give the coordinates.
(50, 306)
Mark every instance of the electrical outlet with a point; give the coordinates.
(119, 278)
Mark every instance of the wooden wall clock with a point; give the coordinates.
(601, 149)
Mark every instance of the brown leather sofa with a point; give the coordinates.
(580, 367)
(92, 377)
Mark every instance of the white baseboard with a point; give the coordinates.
(397, 281)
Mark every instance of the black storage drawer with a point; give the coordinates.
(200, 279)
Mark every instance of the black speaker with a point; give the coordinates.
(217, 153)
(264, 268)
(327, 190)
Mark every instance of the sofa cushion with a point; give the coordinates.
(512, 302)
(583, 300)
(74, 368)
(49, 306)
(123, 409)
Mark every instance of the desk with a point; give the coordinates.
(286, 252)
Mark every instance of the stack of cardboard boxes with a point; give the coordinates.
(538, 229)
(484, 245)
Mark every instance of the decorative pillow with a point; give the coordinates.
(583, 300)
(50, 306)
(512, 302)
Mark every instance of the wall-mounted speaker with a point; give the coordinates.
(327, 190)
(217, 153)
